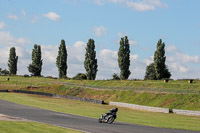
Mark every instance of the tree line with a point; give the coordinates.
(155, 71)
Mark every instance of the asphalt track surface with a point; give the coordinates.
(77, 122)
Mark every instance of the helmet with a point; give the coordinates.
(116, 109)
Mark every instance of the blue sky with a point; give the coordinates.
(45, 22)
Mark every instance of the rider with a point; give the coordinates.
(112, 112)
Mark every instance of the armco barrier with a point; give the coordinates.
(186, 112)
(80, 99)
(140, 107)
(3, 90)
(35, 93)
(61, 96)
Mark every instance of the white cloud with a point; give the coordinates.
(2, 25)
(143, 5)
(176, 54)
(12, 16)
(171, 48)
(120, 35)
(99, 31)
(23, 12)
(98, 2)
(148, 61)
(52, 16)
(180, 64)
(132, 42)
(35, 19)
(7, 39)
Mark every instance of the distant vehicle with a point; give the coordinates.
(109, 117)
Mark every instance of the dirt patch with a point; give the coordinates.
(168, 102)
(10, 118)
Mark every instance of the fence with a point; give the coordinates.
(62, 96)
(3, 90)
(140, 107)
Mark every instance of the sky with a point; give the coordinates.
(24, 23)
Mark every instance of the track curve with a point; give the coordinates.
(77, 122)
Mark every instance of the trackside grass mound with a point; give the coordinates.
(20, 81)
(166, 100)
(31, 127)
(94, 110)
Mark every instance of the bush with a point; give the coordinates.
(115, 76)
(26, 75)
(4, 72)
(80, 76)
(49, 77)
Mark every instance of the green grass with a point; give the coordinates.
(156, 99)
(94, 110)
(19, 81)
(172, 101)
(31, 127)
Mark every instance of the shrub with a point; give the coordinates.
(115, 76)
(4, 72)
(26, 75)
(80, 76)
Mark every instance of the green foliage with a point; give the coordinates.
(80, 76)
(4, 72)
(90, 62)
(124, 58)
(12, 61)
(31, 127)
(115, 76)
(159, 62)
(26, 75)
(36, 67)
(61, 61)
(150, 72)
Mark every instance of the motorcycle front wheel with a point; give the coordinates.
(110, 120)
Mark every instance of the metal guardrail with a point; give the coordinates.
(61, 96)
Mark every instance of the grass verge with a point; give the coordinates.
(94, 110)
(31, 127)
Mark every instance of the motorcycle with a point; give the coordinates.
(107, 119)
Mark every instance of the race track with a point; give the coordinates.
(77, 122)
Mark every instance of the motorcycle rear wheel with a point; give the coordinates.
(100, 121)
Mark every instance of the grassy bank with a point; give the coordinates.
(18, 81)
(31, 127)
(156, 99)
(94, 110)
(166, 100)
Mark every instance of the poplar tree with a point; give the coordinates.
(124, 58)
(36, 66)
(12, 61)
(159, 62)
(90, 62)
(61, 61)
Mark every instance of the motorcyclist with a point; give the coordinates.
(112, 112)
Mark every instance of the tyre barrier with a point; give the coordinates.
(61, 96)
(3, 90)
(34, 93)
(80, 99)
